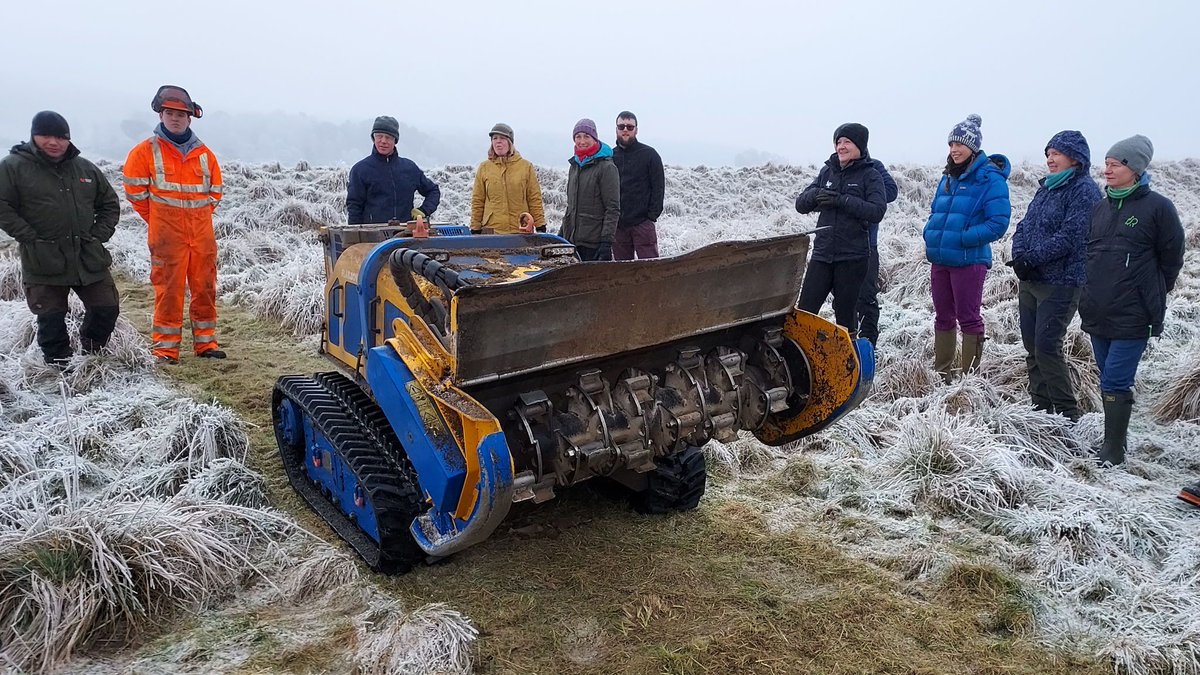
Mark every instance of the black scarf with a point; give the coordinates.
(957, 170)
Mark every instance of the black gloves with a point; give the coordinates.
(828, 199)
(604, 251)
(1022, 269)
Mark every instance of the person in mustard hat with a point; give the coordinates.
(506, 198)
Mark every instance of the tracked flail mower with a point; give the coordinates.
(473, 372)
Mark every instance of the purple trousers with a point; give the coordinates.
(957, 295)
(640, 239)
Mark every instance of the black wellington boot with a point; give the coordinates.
(1117, 408)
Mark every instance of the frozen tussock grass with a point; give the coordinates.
(433, 639)
(1181, 400)
(109, 568)
(121, 502)
(10, 277)
(937, 460)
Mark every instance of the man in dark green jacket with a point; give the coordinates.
(61, 209)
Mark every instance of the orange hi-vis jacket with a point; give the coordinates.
(176, 195)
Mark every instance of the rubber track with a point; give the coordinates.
(677, 484)
(382, 470)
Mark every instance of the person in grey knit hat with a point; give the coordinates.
(1134, 152)
(381, 186)
(1134, 254)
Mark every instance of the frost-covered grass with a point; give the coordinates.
(124, 502)
(931, 483)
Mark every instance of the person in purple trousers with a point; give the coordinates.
(970, 210)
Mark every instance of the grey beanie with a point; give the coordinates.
(502, 129)
(385, 124)
(1134, 152)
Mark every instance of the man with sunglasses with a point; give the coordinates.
(642, 188)
(173, 181)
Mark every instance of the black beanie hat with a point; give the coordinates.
(50, 123)
(854, 131)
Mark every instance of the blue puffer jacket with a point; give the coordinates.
(381, 189)
(1052, 237)
(969, 213)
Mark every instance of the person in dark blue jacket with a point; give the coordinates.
(849, 193)
(1049, 257)
(381, 186)
(1134, 254)
(970, 210)
(868, 294)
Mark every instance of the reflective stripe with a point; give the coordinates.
(160, 174)
(163, 344)
(202, 339)
(138, 198)
(216, 189)
(136, 181)
(205, 172)
(166, 331)
(182, 203)
(204, 324)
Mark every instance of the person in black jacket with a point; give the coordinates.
(868, 294)
(850, 195)
(642, 189)
(381, 186)
(1134, 255)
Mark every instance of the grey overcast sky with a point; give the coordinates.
(777, 77)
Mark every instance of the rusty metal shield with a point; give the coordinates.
(597, 309)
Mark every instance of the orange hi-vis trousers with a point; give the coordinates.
(176, 196)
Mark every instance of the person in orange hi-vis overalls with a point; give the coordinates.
(173, 181)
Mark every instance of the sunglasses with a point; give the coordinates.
(626, 127)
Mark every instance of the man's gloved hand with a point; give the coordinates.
(604, 251)
(418, 214)
(1022, 269)
(827, 198)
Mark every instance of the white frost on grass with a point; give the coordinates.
(937, 470)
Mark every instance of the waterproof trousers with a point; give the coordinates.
(868, 299)
(48, 303)
(1045, 312)
(177, 266)
(843, 278)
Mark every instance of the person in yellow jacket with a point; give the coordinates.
(506, 194)
(173, 181)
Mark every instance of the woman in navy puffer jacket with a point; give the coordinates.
(970, 211)
(1049, 250)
